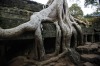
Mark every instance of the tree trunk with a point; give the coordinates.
(56, 12)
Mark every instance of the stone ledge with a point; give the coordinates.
(93, 58)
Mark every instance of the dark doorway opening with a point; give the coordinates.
(13, 48)
(89, 38)
(16, 48)
(97, 38)
(73, 41)
(49, 45)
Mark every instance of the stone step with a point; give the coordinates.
(92, 58)
(98, 52)
(89, 64)
(88, 48)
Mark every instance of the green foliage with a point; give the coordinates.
(88, 16)
(75, 10)
(93, 20)
(92, 17)
(92, 2)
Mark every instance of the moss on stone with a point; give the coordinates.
(10, 23)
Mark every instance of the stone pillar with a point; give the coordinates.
(2, 54)
(82, 39)
(99, 37)
(85, 38)
(92, 38)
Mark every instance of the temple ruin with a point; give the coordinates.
(12, 15)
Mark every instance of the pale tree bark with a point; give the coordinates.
(58, 31)
(39, 43)
(77, 27)
(74, 38)
(38, 51)
(32, 25)
(8, 33)
(65, 26)
(58, 39)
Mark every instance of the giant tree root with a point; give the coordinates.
(71, 56)
(53, 59)
(57, 11)
(57, 41)
(22, 60)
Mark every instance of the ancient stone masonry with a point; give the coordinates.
(92, 33)
(12, 14)
(89, 51)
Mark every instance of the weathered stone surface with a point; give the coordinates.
(65, 61)
(93, 58)
(98, 51)
(90, 54)
(13, 13)
(88, 64)
(88, 48)
(74, 56)
(17, 62)
(49, 32)
(22, 4)
(12, 17)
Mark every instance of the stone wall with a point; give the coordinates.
(92, 32)
(22, 4)
(13, 15)
(16, 12)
